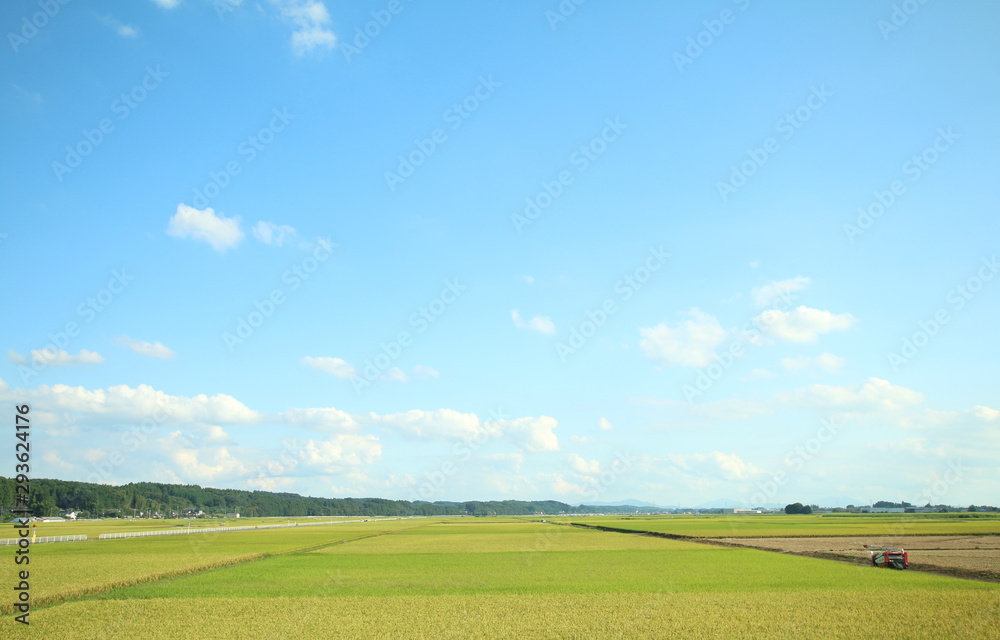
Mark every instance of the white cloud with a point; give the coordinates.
(395, 374)
(735, 408)
(529, 279)
(582, 465)
(170, 4)
(966, 421)
(754, 264)
(826, 361)
(692, 342)
(153, 350)
(542, 324)
(53, 458)
(191, 464)
(716, 463)
(756, 374)
(559, 484)
(343, 450)
(334, 366)
(533, 434)
(270, 233)
(219, 231)
(60, 358)
(803, 324)
(123, 403)
(873, 394)
(515, 459)
(766, 295)
(442, 423)
(216, 434)
(321, 418)
(605, 425)
(584, 440)
(426, 372)
(311, 20)
(16, 357)
(124, 30)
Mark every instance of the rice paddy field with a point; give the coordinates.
(479, 578)
(723, 526)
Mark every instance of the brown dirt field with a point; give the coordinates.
(976, 557)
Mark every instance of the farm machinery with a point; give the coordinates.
(888, 557)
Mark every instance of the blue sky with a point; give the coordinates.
(588, 252)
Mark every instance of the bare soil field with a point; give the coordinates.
(975, 557)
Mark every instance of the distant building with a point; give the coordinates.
(740, 510)
(888, 509)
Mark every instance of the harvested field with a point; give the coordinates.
(964, 556)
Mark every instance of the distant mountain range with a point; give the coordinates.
(626, 503)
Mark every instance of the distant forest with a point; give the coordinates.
(48, 497)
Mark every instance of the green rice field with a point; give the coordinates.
(767, 525)
(481, 578)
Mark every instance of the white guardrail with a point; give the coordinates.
(186, 531)
(180, 532)
(13, 541)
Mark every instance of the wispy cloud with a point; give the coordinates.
(802, 324)
(270, 233)
(202, 224)
(153, 350)
(60, 358)
(826, 361)
(768, 294)
(334, 366)
(312, 21)
(691, 342)
(541, 324)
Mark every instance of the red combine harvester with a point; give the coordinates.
(888, 557)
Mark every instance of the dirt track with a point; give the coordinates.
(961, 556)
